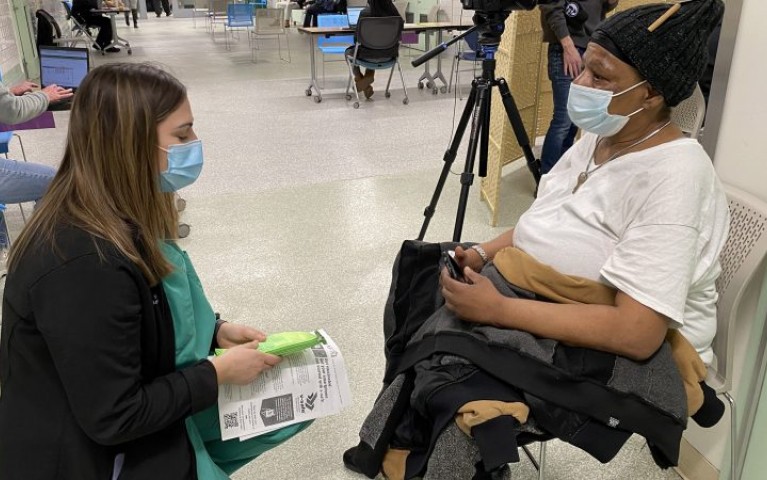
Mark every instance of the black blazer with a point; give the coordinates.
(87, 370)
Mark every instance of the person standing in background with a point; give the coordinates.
(133, 5)
(567, 27)
(160, 5)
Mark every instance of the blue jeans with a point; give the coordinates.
(561, 130)
(23, 182)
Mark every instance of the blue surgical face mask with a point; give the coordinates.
(588, 109)
(184, 166)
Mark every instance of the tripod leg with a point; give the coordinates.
(485, 134)
(448, 159)
(467, 177)
(519, 129)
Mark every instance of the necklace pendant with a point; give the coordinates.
(582, 177)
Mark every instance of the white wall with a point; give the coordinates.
(739, 156)
(739, 115)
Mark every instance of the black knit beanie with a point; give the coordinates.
(674, 56)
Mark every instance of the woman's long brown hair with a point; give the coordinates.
(108, 181)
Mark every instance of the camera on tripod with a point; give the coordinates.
(502, 5)
(489, 25)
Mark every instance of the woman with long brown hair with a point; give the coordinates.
(105, 328)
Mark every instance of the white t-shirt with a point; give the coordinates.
(650, 223)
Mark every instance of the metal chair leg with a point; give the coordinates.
(733, 438)
(287, 43)
(406, 100)
(388, 83)
(24, 157)
(21, 144)
(542, 461)
(352, 84)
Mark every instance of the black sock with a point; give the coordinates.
(712, 409)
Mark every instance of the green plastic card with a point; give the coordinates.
(285, 343)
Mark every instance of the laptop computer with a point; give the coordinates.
(354, 15)
(65, 67)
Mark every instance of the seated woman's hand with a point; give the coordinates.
(232, 334)
(469, 258)
(23, 88)
(242, 364)
(476, 301)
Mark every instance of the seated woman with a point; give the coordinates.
(634, 204)
(621, 245)
(22, 182)
(106, 329)
(82, 10)
(320, 7)
(374, 8)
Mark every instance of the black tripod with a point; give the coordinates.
(478, 110)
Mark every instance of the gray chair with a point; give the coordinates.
(376, 47)
(270, 22)
(744, 252)
(689, 114)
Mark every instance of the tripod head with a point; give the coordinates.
(490, 26)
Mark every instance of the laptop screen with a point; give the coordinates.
(354, 15)
(63, 66)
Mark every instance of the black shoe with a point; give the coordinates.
(95, 47)
(112, 50)
(135, 26)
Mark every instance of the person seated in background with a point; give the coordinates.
(104, 318)
(620, 249)
(82, 11)
(320, 7)
(374, 8)
(21, 181)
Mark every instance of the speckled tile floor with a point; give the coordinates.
(301, 209)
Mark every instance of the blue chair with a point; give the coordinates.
(336, 44)
(258, 3)
(238, 15)
(378, 41)
(473, 55)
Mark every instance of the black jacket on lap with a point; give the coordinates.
(437, 362)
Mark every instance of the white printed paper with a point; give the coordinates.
(304, 386)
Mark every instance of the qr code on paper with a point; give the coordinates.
(231, 420)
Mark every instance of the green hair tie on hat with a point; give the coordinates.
(673, 56)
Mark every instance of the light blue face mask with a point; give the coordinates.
(588, 109)
(184, 166)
